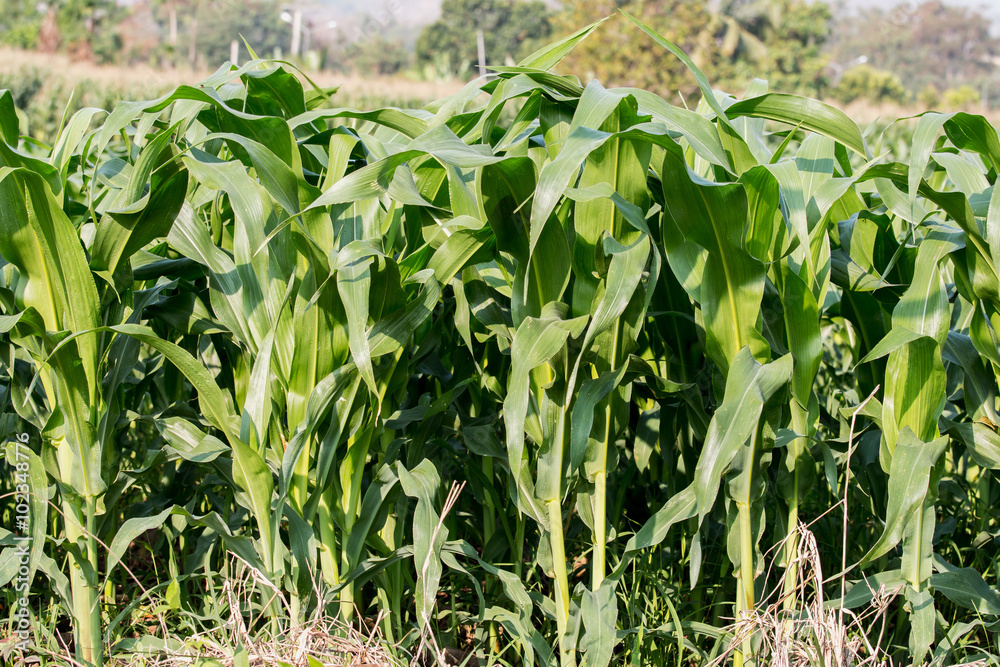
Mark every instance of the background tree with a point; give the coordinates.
(511, 28)
(377, 55)
(618, 56)
(780, 40)
(931, 44)
(86, 28)
(874, 85)
(89, 28)
(20, 22)
(257, 21)
(733, 41)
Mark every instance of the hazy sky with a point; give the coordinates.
(989, 8)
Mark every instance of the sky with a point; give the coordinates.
(985, 6)
(989, 8)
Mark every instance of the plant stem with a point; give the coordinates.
(84, 586)
(328, 539)
(600, 530)
(745, 576)
(298, 493)
(800, 424)
(562, 580)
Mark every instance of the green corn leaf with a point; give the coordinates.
(188, 442)
(10, 131)
(599, 613)
(748, 387)
(428, 535)
(549, 56)
(909, 477)
(354, 285)
(802, 111)
(535, 342)
(713, 217)
(965, 586)
(28, 470)
(214, 404)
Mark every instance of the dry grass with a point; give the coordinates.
(865, 113)
(808, 633)
(321, 639)
(12, 60)
(403, 89)
(390, 87)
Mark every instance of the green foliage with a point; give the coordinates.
(511, 29)
(961, 98)
(557, 375)
(20, 22)
(732, 42)
(89, 28)
(929, 97)
(256, 21)
(874, 85)
(620, 58)
(789, 37)
(378, 56)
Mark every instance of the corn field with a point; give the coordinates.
(540, 374)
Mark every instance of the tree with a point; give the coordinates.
(378, 55)
(786, 38)
(256, 21)
(930, 44)
(205, 29)
(619, 55)
(20, 22)
(89, 28)
(733, 41)
(511, 28)
(874, 85)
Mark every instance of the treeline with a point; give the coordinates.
(926, 52)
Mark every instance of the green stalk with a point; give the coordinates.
(746, 573)
(518, 554)
(745, 594)
(489, 511)
(800, 424)
(557, 538)
(298, 493)
(600, 530)
(328, 538)
(84, 588)
(351, 503)
(601, 480)
(562, 581)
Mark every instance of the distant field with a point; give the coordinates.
(42, 85)
(406, 91)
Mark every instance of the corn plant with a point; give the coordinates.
(547, 372)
